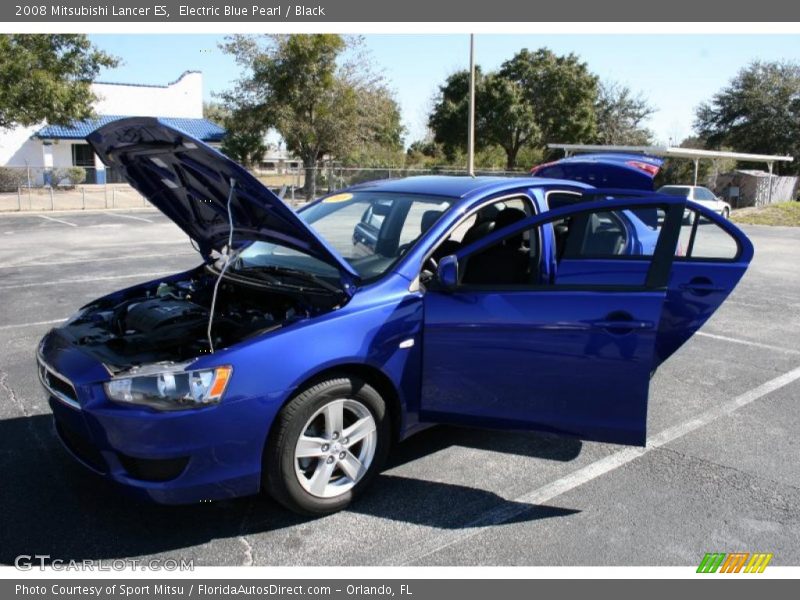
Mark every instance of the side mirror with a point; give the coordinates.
(447, 273)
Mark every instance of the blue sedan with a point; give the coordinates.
(294, 356)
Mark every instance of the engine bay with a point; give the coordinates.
(167, 321)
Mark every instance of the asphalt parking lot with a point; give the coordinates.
(720, 472)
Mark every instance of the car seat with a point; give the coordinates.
(504, 263)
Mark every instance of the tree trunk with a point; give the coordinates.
(310, 167)
(511, 158)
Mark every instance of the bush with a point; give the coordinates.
(11, 179)
(68, 177)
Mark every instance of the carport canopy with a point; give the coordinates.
(672, 152)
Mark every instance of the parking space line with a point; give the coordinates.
(124, 216)
(521, 504)
(57, 220)
(35, 323)
(143, 276)
(92, 260)
(725, 338)
(177, 242)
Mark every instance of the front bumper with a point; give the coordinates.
(169, 457)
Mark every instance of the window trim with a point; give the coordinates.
(560, 191)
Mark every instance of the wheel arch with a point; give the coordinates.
(370, 374)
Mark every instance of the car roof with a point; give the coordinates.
(683, 185)
(456, 186)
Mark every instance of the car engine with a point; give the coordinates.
(168, 320)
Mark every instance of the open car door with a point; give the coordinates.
(712, 256)
(529, 350)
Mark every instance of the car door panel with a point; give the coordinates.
(599, 270)
(569, 362)
(698, 285)
(573, 359)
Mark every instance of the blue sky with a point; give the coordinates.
(674, 72)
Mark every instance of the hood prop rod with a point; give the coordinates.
(229, 258)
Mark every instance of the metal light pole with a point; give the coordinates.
(471, 127)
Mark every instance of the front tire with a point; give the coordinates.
(328, 444)
(726, 213)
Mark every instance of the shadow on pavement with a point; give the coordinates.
(51, 505)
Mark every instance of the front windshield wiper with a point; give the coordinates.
(276, 270)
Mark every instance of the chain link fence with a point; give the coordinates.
(332, 178)
(75, 188)
(71, 188)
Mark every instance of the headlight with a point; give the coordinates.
(171, 390)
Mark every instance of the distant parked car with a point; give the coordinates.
(699, 194)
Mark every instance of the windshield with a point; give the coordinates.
(675, 190)
(370, 230)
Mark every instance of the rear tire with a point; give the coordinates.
(726, 213)
(310, 464)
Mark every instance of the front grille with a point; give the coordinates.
(57, 385)
(80, 446)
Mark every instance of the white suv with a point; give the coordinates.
(700, 195)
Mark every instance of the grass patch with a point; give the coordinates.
(782, 213)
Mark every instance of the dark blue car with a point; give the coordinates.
(292, 359)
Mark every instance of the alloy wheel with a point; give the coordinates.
(335, 449)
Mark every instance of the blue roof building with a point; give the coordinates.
(201, 129)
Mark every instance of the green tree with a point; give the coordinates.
(244, 132)
(216, 113)
(506, 118)
(423, 152)
(534, 98)
(244, 139)
(561, 92)
(620, 114)
(759, 112)
(48, 78)
(379, 133)
(309, 88)
(448, 119)
(502, 116)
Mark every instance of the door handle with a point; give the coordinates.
(627, 325)
(700, 287)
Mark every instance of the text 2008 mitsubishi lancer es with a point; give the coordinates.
(306, 344)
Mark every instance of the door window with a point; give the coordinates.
(481, 223)
(702, 239)
(594, 248)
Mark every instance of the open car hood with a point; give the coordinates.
(190, 182)
(608, 170)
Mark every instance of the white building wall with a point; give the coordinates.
(181, 98)
(18, 150)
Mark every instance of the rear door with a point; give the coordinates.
(712, 256)
(572, 357)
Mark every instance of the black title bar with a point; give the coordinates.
(264, 11)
